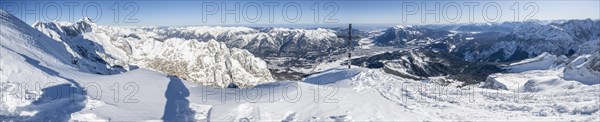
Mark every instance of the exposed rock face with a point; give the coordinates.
(208, 62)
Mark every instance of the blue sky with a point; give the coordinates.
(188, 12)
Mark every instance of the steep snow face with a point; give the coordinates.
(209, 63)
(28, 76)
(39, 50)
(17, 36)
(91, 55)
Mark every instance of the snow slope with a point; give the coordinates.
(31, 85)
(387, 97)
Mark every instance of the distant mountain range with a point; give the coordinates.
(112, 49)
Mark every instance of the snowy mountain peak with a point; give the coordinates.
(19, 36)
(87, 20)
(402, 26)
(4, 13)
(37, 23)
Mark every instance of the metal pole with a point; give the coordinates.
(349, 45)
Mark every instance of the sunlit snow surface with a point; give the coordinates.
(38, 83)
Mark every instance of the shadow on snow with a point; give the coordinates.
(177, 106)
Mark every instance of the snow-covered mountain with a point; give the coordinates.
(496, 42)
(530, 41)
(423, 63)
(263, 41)
(549, 71)
(259, 41)
(568, 75)
(85, 72)
(403, 35)
(487, 48)
(205, 62)
(28, 57)
(503, 27)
